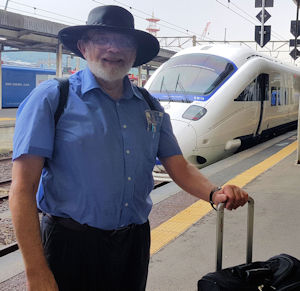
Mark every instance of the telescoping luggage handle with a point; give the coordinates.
(219, 236)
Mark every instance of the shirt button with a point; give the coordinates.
(128, 152)
(126, 204)
(118, 104)
(129, 178)
(124, 126)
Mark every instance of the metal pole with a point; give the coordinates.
(0, 76)
(194, 40)
(295, 55)
(262, 24)
(219, 236)
(5, 8)
(296, 34)
(250, 222)
(59, 60)
(298, 136)
(140, 76)
(77, 64)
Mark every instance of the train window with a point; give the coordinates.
(257, 90)
(263, 80)
(249, 94)
(273, 96)
(278, 97)
(285, 96)
(192, 74)
(194, 112)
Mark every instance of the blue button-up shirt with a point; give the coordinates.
(101, 154)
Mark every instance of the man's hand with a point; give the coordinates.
(41, 280)
(232, 196)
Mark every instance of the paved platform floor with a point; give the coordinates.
(179, 264)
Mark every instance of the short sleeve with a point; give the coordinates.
(168, 145)
(35, 127)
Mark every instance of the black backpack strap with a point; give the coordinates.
(147, 97)
(63, 84)
(63, 97)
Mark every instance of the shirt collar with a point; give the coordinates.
(131, 90)
(136, 91)
(89, 82)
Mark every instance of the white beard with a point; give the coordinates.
(110, 74)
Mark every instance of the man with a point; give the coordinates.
(95, 184)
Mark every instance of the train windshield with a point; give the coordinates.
(191, 77)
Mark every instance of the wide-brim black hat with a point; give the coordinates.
(116, 19)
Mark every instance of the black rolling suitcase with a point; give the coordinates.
(281, 273)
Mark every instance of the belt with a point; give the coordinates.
(74, 225)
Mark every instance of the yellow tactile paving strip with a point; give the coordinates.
(172, 228)
(6, 118)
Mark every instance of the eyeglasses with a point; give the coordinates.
(119, 41)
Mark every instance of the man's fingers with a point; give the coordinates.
(220, 198)
(236, 197)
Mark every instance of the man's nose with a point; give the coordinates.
(113, 47)
(113, 44)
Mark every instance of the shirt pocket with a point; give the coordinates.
(154, 121)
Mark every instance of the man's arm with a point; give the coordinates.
(26, 174)
(189, 178)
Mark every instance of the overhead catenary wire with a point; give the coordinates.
(36, 11)
(47, 11)
(253, 17)
(273, 33)
(182, 29)
(35, 14)
(148, 14)
(175, 27)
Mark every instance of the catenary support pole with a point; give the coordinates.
(59, 60)
(140, 76)
(298, 134)
(0, 76)
(262, 31)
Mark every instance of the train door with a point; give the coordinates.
(276, 103)
(254, 96)
(263, 95)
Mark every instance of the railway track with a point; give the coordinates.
(5, 250)
(9, 249)
(8, 243)
(4, 159)
(159, 184)
(4, 189)
(5, 182)
(5, 175)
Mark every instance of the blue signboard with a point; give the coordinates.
(18, 82)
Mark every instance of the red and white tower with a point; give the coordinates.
(153, 28)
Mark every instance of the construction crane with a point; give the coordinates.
(204, 32)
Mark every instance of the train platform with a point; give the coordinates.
(269, 173)
(7, 126)
(183, 228)
(7, 115)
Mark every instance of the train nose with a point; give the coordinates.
(186, 136)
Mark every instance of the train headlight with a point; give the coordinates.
(194, 112)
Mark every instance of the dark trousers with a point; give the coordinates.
(96, 260)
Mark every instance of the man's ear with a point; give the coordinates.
(81, 45)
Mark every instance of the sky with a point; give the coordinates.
(229, 19)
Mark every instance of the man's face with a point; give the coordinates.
(110, 55)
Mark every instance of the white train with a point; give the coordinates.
(220, 97)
